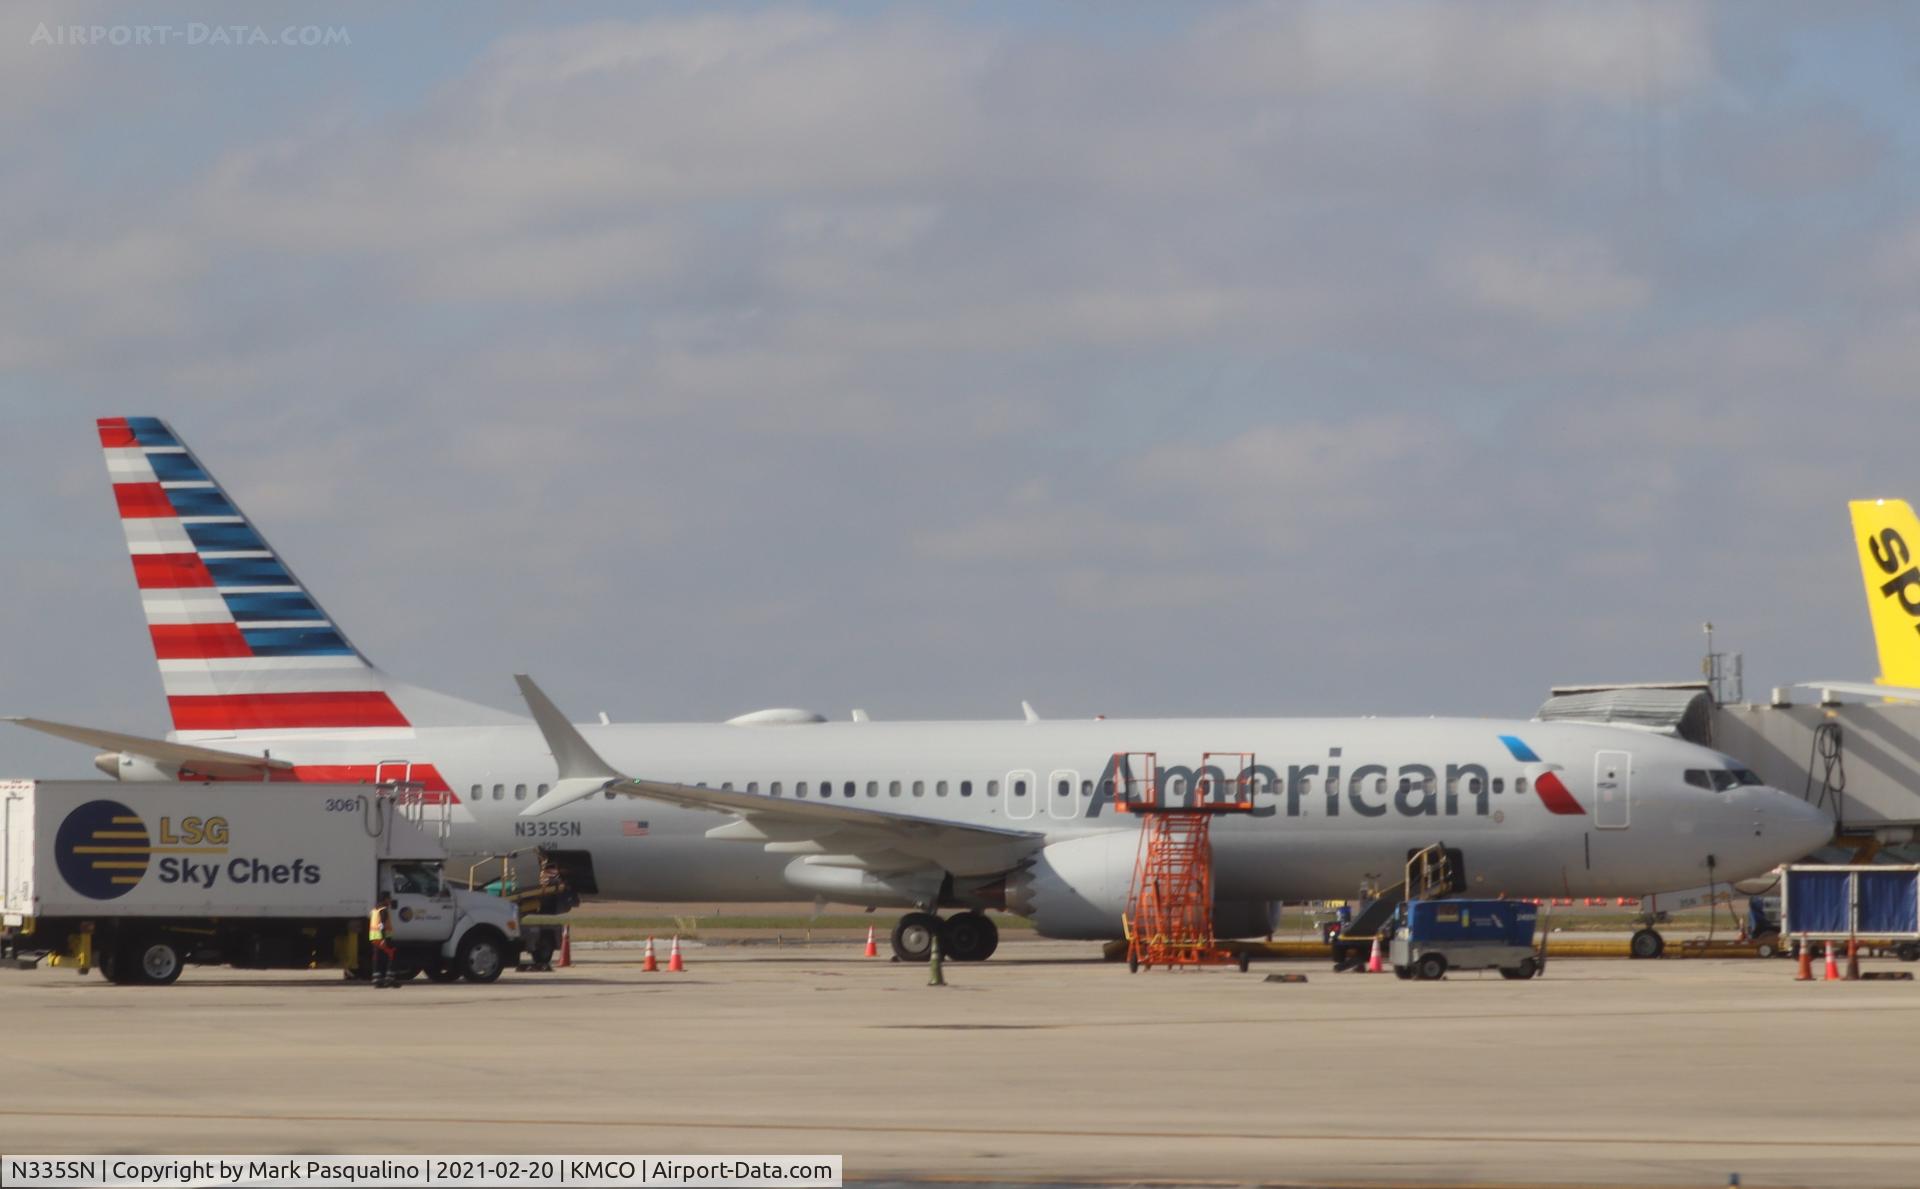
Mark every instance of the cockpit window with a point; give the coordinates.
(1720, 779)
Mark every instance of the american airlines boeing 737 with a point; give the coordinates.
(969, 816)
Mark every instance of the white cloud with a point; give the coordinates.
(1556, 282)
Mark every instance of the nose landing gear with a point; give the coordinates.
(964, 937)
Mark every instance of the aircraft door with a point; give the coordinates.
(1612, 789)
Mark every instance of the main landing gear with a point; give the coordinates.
(964, 937)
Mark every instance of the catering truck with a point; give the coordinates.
(142, 880)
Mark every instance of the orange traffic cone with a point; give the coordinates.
(1833, 965)
(1374, 965)
(1853, 959)
(673, 956)
(1806, 962)
(566, 946)
(873, 951)
(652, 964)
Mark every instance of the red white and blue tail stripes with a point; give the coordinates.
(242, 646)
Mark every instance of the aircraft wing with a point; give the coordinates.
(1898, 693)
(206, 761)
(824, 833)
(847, 835)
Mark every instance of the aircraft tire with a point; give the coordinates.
(1647, 943)
(913, 936)
(969, 937)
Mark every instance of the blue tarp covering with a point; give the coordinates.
(1817, 901)
(1887, 902)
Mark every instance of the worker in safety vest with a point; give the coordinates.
(380, 940)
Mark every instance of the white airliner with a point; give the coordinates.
(973, 816)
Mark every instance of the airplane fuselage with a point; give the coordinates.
(1336, 800)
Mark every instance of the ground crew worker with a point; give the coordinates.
(380, 940)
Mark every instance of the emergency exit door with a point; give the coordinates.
(1612, 789)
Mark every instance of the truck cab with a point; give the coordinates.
(447, 932)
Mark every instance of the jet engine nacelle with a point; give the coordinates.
(124, 766)
(1077, 890)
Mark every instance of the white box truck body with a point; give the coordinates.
(141, 879)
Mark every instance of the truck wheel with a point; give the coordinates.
(1430, 966)
(1527, 969)
(1403, 972)
(481, 957)
(1907, 951)
(442, 974)
(1766, 949)
(107, 959)
(1647, 943)
(157, 961)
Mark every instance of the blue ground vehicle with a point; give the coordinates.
(1431, 937)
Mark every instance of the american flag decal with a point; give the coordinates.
(633, 829)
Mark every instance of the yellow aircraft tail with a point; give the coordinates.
(1888, 538)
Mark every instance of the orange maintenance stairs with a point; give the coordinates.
(1169, 917)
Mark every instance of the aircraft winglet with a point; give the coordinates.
(582, 772)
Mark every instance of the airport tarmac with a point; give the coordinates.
(1044, 1063)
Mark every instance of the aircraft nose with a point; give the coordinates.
(1798, 827)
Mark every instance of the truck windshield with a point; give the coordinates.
(417, 880)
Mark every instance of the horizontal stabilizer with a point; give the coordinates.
(206, 761)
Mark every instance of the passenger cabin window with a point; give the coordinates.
(966, 788)
(846, 790)
(893, 788)
(774, 788)
(1519, 784)
(799, 788)
(1499, 784)
(1063, 789)
(753, 786)
(499, 791)
(873, 788)
(993, 788)
(1086, 788)
(540, 791)
(1019, 788)
(919, 788)
(475, 795)
(940, 788)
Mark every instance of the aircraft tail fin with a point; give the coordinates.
(241, 643)
(1888, 538)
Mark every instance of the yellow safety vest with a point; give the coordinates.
(377, 924)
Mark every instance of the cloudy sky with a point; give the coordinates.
(1190, 359)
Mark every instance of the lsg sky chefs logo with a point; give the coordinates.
(104, 850)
